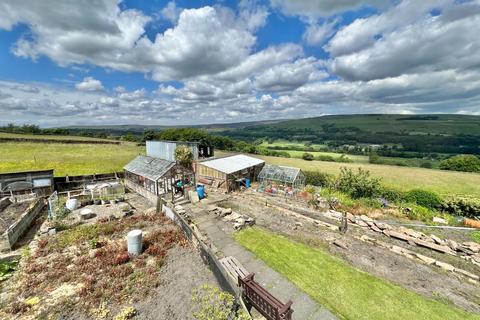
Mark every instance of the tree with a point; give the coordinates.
(467, 163)
(184, 156)
(148, 135)
(307, 156)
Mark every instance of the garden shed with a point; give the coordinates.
(282, 176)
(229, 172)
(38, 182)
(153, 177)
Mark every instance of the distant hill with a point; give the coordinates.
(449, 134)
(133, 128)
(412, 124)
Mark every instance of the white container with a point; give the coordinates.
(72, 204)
(135, 242)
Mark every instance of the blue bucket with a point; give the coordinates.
(200, 191)
(247, 183)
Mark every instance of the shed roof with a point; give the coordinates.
(280, 173)
(149, 167)
(232, 164)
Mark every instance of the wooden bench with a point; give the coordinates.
(269, 306)
(234, 268)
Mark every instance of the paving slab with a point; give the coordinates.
(305, 308)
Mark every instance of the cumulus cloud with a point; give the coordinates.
(316, 34)
(171, 12)
(322, 8)
(389, 47)
(89, 84)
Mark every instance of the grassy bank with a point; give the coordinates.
(349, 293)
(71, 159)
(446, 183)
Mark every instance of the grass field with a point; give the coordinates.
(344, 290)
(447, 183)
(71, 159)
(49, 137)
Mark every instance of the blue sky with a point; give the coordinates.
(191, 62)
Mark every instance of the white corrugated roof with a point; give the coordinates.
(233, 163)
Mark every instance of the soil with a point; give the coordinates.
(11, 214)
(429, 281)
(183, 272)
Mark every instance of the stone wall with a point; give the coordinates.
(16, 230)
(141, 191)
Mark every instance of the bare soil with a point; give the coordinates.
(429, 281)
(11, 214)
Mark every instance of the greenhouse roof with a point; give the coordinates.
(149, 167)
(280, 173)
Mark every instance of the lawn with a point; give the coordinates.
(447, 183)
(344, 290)
(71, 159)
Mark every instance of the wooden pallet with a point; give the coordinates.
(234, 268)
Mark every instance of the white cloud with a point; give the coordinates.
(316, 34)
(171, 12)
(322, 8)
(404, 46)
(89, 84)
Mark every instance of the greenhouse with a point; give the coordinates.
(281, 177)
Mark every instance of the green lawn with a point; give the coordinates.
(344, 290)
(447, 183)
(71, 159)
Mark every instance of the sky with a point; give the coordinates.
(98, 62)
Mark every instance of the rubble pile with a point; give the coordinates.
(239, 220)
(467, 250)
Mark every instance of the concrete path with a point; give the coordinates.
(305, 308)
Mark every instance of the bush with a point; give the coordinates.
(307, 156)
(469, 208)
(359, 184)
(392, 194)
(319, 179)
(424, 198)
(467, 163)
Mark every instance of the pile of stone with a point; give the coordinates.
(467, 250)
(422, 258)
(238, 220)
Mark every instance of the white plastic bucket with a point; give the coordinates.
(135, 242)
(72, 204)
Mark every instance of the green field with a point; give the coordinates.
(49, 137)
(344, 290)
(71, 159)
(447, 183)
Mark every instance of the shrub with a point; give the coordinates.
(214, 304)
(467, 163)
(319, 179)
(325, 158)
(392, 194)
(424, 198)
(359, 184)
(307, 156)
(469, 208)
(426, 165)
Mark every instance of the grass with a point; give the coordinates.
(346, 291)
(49, 137)
(71, 159)
(445, 183)
(475, 236)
